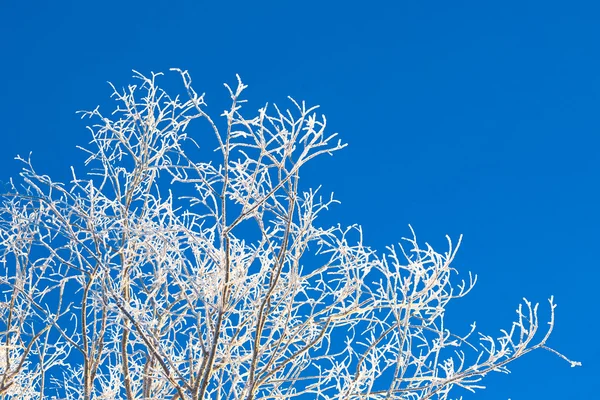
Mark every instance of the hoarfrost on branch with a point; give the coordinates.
(158, 274)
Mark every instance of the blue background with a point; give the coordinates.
(460, 117)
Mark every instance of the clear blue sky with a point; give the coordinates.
(460, 117)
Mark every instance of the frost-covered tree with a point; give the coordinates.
(162, 271)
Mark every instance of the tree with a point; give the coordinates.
(159, 275)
